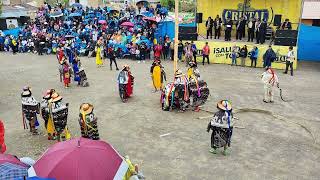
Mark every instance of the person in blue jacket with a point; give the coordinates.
(254, 56)
(268, 57)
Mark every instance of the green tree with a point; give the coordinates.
(167, 3)
(184, 5)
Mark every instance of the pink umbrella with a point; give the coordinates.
(80, 159)
(128, 24)
(102, 21)
(150, 19)
(7, 158)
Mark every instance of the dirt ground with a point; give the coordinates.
(283, 146)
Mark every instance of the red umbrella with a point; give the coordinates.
(4, 158)
(128, 24)
(150, 19)
(81, 159)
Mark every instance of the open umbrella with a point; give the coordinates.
(56, 14)
(141, 1)
(7, 158)
(76, 5)
(80, 159)
(102, 22)
(74, 15)
(150, 19)
(142, 15)
(69, 36)
(12, 171)
(127, 24)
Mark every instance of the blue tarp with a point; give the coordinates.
(14, 32)
(309, 43)
(165, 28)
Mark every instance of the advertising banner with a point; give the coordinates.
(220, 53)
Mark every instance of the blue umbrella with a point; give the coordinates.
(74, 15)
(56, 14)
(12, 171)
(76, 5)
(147, 14)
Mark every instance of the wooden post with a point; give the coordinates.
(176, 36)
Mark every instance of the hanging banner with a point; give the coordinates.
(220, 53)
(263, 10)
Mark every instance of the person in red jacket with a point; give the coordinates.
(157, 51)
(3, 146)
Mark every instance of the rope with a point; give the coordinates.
(248, 110)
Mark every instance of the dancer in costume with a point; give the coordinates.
(221, 125)
(130, 83)
(99, 52)
(176, 94)
(70, 53)
(58, 114)
(198, 88)
(158, 75)
(66, 73)
(45, 113)
(269, 79)
(60, 54)
(3, 146)
(60, 68)
(88, 122)
(75, 67)
(30, 109)
(182, 90)
(193, 71)
(83, 77)
(125, 81)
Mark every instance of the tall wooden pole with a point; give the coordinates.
(176, 36)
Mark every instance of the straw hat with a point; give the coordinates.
(48, 93)
(86, 108)
(192, 64)
(224, 105)
(178, 73)
(26, 91)
(56, 97)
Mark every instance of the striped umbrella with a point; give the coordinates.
(12, 171)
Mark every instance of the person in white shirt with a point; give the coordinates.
(289, 61)
(251, 28)
(24, 45)
(269, 79)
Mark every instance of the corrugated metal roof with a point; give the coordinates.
(311, 9)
